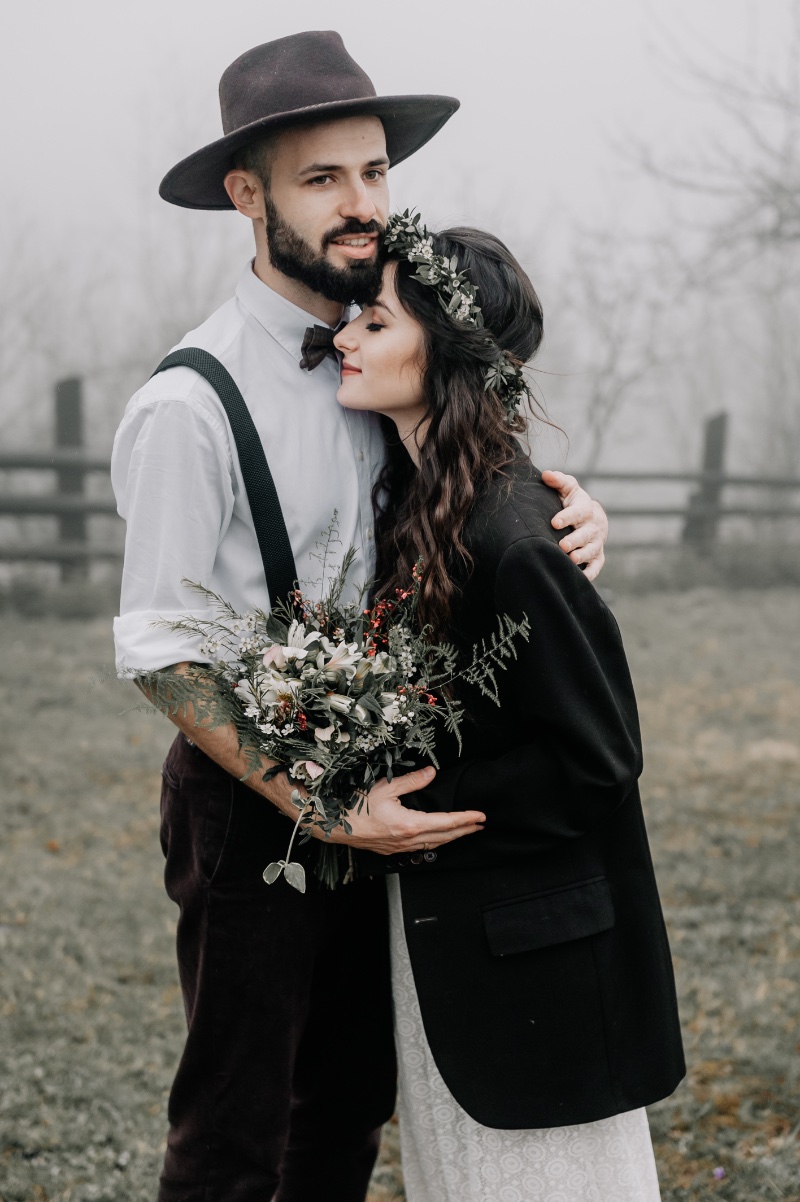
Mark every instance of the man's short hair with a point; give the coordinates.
(256, 157)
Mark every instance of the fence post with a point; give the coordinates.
(703, 512)
(71, 480)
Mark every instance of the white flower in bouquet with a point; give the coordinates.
(307, 770)
(294, 650)
(384, 663)
(392, 709)
(251, 703)
(343, 657)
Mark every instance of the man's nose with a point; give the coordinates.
(359, 204)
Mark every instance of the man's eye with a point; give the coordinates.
(374, 325)
(374, 174)
(320, 179)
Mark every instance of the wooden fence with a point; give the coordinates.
(70, 465)
(706, 508)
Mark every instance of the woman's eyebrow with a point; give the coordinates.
(379, 304)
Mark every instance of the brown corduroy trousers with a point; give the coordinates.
(288, 1071)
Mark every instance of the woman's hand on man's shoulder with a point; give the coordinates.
(585, 543)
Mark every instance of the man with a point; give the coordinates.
(288, 1071)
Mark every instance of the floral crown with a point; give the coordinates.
(407, 236)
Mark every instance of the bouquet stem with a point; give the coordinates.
(295, 873)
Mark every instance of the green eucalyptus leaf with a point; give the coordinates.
(273, 871)
(277, 630)
(371, 704)
(296, 876)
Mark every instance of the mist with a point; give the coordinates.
(573, 116)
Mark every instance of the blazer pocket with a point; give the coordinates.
(525, 924)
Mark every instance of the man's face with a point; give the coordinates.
(326, 207)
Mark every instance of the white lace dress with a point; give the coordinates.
(448, 1157)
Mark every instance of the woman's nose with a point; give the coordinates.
(345, 340)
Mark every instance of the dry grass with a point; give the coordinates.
(91, 1015)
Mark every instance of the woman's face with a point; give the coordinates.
(383, 359)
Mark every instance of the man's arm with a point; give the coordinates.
(585, 544)
(384, 825)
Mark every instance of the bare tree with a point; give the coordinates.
(746, 244)
(613, 309)
(750, 172)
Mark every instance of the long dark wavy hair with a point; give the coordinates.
(421, 512)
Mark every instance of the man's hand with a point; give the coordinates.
(389, 827)
(586, 543)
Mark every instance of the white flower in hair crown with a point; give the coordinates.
(407, 236)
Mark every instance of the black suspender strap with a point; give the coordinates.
(273, 539)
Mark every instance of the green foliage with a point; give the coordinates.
(480, 672)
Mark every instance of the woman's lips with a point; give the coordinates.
(349, 370)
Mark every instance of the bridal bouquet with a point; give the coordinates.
(336, 694)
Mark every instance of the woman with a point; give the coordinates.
(534, 996)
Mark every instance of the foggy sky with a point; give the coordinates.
(99, 99)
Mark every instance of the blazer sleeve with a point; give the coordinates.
(569, 694)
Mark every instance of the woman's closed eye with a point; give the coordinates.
(372, 326)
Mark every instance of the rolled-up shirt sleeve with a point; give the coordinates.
(172, 478)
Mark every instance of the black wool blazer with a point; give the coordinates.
(538, 945)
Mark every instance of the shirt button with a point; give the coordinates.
(416, 858)
(370, 533)
(429, 856)
(361, 456)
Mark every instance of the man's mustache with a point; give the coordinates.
(352, 228)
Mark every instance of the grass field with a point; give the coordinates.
(90, 1014)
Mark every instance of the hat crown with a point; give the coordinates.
(294, 72)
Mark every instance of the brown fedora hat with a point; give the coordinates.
(297, 80)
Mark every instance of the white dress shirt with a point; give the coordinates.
(179, 487)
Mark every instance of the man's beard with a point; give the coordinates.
(357, 283)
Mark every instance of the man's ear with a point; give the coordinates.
(246, 192)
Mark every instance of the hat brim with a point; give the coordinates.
(410, 121)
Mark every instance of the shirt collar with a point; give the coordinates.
(286, 322)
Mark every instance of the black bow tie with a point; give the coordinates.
(317, 345)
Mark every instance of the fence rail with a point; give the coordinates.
(69, 504)
(63, 553)
(58, 457)
(55, 504)
(717, 478)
